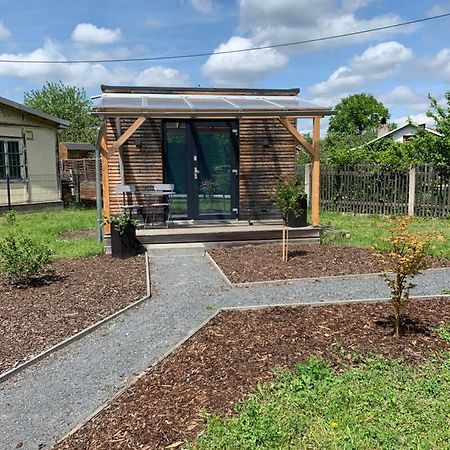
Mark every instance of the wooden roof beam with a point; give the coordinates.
(297, 136)
(125, 136)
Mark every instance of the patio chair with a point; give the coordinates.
(164, 194)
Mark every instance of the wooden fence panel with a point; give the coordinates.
(371, 189)
(432, 192)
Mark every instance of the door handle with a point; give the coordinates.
(196, 172)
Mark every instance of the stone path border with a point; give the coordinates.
(60, 345)
(290, 280)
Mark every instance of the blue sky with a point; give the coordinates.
(398, 66)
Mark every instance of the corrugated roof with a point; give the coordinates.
(35, 112)
(194, 102)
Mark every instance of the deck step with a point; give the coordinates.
(225, 234)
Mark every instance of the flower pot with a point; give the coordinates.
(298, 219)
(125, 244)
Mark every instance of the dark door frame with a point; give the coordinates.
(192, 162)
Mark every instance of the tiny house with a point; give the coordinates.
(222, 149)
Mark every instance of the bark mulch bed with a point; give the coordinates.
(247, 263)
(225, 360)
(81, 292)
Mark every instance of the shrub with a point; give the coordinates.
(405, 258)
(287, 196)
(121, 222)
(23, 259)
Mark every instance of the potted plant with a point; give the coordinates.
(124, 243)
(290, 198)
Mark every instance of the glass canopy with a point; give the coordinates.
(164, 104)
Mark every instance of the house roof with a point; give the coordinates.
(61, 123)
(204, 102)
(430, 130)
(78, 146)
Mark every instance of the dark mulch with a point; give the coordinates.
(81, 292)
(225, 360)
(264, 262)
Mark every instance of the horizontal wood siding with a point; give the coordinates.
(267, 151)
(143, 163)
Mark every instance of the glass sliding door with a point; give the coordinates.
(200, 159)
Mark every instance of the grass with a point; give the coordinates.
(377, 405)
(367, 231)
(46, 227)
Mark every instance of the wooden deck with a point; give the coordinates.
(238, 232)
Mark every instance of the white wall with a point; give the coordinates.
(39, 139)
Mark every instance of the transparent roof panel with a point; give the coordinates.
(200, 103)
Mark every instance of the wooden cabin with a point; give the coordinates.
(223, 149)
(76, 150)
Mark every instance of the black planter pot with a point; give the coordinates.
(299, 219)
(125, 244)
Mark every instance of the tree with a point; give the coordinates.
(431, 148)
(406, 257)
(357, 114)
(69, 103)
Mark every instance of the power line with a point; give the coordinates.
(226, 52)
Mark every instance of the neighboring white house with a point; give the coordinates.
(403, 133)
(28, 157)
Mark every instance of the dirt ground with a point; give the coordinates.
(81, 292)
(226, 359)
(249, 263)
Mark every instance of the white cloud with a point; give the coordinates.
(203, 6)
(405, 97)
(439, 65)
(89, 34)
(241, 68)
(296, 20)
(162, 76)
(439, 8)
(376, 62)
(86, 74)
(265, 22)
(418, 119)
(4, 31)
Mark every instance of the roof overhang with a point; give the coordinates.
(60, 123)
(195, 104)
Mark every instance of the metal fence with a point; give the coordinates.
(371, 189)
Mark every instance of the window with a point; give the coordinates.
(11, 159)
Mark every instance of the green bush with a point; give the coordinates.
(23, 259)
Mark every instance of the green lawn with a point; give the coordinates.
(46, 227)
(377, 405)
(366, 231)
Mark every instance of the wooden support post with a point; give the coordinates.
(105, 180)
(125, 136)
(297, 135)
(315, 204)
(412, 191)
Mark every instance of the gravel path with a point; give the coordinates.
(43, 403)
